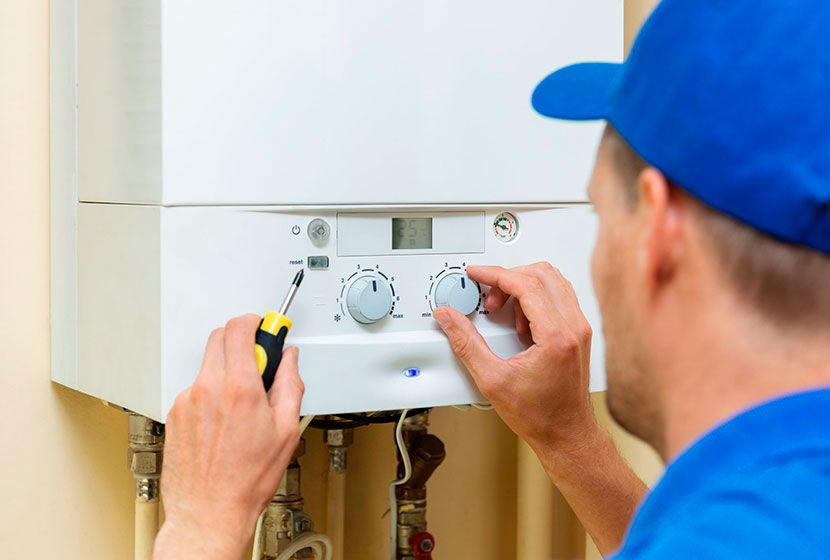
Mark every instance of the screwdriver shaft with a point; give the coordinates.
(291, 291)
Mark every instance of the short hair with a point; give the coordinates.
(788, 284)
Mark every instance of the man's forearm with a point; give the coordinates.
(213, 538)
(600, 487)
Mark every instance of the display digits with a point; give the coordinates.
(411, 233)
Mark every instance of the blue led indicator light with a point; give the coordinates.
(412, 372)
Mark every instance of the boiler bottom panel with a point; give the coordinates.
(155, 281)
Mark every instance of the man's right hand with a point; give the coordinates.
(541, 393)
(228, 445)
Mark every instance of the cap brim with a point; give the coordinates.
(580, 92)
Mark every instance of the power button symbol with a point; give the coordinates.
(295, 230)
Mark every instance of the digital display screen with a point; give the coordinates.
(411, 233)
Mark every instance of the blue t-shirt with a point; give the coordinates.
(756, 487)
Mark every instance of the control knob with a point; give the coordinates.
(369, 299)
(456, 290)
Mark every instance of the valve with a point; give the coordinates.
(422, 544)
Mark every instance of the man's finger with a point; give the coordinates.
(213, 364)
(495, 299)
(536, 303)
(287, 391)
(522, 324)
(240, 357)
(560, 290)
(468, 344)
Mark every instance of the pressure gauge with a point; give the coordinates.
(505, 227)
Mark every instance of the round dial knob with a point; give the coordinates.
(369, 299)
(457, 291)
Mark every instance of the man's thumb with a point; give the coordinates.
(467, 342)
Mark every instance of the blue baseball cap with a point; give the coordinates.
(730, 100)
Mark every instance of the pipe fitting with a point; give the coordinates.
(145, 455)
(426, 453)
(145, 452)
(338, 442)
(284, 519)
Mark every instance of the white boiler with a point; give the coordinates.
(204, 151)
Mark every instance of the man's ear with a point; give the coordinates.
(661, 213)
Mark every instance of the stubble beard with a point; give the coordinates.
(632, 396)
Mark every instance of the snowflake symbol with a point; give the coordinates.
(337, 317)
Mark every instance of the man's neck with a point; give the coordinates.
(726, 363)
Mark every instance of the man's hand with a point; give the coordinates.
(227, 447)
(541, 393)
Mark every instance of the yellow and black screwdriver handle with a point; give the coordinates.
(270, 339)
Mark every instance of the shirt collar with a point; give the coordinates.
(776, 428)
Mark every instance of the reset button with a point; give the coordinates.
(320, 262)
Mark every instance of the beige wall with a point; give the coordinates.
(64, 491)
(64, 487)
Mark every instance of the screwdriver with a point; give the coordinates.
(270, 338)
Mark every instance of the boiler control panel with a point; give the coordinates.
(363, 316)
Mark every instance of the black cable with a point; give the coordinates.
(360, 420)
(381, 419)
(335, 424)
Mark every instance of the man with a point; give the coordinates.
(712, 270)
